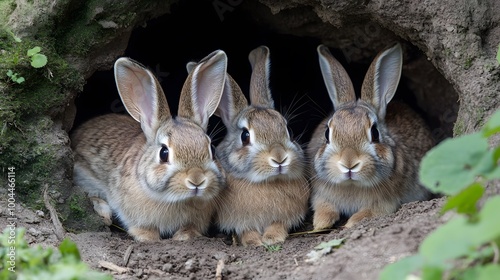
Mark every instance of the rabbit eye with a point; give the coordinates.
(164, 154)
(245, 137)
(327, 135)
(374, 133)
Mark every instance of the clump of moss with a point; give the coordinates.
(25, 111)
(80, 214)
(6, 8)
(94, 24)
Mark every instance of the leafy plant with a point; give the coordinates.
(20, 261)
(323, 248)
(334, 243)
(15, 77)
(467, 246)
(273, 248)
(38, 60)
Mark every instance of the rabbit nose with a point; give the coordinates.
(196, 179)
(274, 162)
(278, 157)
(195, 184)
(352, 167)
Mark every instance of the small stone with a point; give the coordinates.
(140, 256)
(220, 256)
(168, 267)
(356, 234)
(34, 232)
(138, 272)
(40, 213)
(108, 24)
(189, 264)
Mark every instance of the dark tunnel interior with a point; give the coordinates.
(191, 31)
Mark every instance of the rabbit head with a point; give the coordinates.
(258, 145)
(178, 160)
(354, 144)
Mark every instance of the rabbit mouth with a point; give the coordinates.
(351, 176)
(196, 192)
(280, 170)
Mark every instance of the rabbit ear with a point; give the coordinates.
(382, 78)
(190, 66)
(232, 101)
(337, 81)
(141, 94)
(202, 90)
(260, 93)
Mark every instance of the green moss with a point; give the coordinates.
(85, 30)
(25, 111)
(76, 209)
(81, 39)
(480, 112)
(79, 216)
(34, 160)
(6, 8)
(468, 63)
(459, 127)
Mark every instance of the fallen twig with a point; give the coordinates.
(128, 252)
(58, 228)
(218, 270)
(311, 231)
(113, 267)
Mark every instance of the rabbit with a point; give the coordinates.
(365, 156)
(267, 190)
(157, 173)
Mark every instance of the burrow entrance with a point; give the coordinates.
(194, 29)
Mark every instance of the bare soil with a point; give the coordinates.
(367, 248)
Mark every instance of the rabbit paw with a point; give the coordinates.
(275, 233)
(186, 234)
(324, 216)
(144, 234)
(102, 208)
(357, 217)
(251, 238)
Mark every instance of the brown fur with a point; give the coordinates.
(117, 159)
(385, 174)
(267, 191)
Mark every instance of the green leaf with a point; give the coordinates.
(17, 39)
(329, 244)
(495, 173)
(493, 125)
(458, 237)
(9, 73)
(273, 248)
(69, 248)
(402, 268)
(432, 273)
(34, 51)
(442, 174)
(487, 272)
(20, 80)
(465, 201)
(38, 60)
